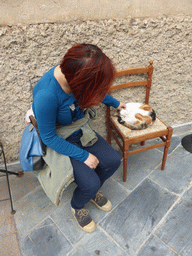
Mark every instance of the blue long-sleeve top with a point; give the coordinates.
(51, 106)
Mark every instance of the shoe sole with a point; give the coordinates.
(107, 207)
(88, 228)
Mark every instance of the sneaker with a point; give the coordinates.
(83, 219)
(101, 202)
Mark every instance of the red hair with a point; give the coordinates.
(89, 73)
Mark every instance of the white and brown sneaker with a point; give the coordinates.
(83, 219)
(101, 202)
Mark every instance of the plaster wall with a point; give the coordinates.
(29, 50)
(40, 11)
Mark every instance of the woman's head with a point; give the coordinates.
(89, 73)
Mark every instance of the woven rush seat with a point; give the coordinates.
(157, 126)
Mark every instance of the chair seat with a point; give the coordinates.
(157, 126)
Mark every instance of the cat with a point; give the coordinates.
(137, 116)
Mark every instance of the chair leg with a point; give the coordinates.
(142, 143)
(7, 177)
(109, 134)
(168, 142)
(165, 155)
(9, 172)
(10, 196)
(125, 157)
(124, 169)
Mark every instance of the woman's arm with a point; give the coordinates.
(110, 101)
(45, 107)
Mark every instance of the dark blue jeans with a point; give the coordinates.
(88, 180)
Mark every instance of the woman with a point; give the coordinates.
(81, 81)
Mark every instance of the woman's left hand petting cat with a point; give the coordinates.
(122, 105)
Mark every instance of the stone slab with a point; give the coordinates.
(175, 141)
(182, 130)
(66, 222)
(178, 172)
(4, 195)
(14, 166)
(21, 186)
(31, 210)
(97, 243)
(45, 240)
(114, 192)
(35, 206)
(138, 168)
(155, 247)
(176, 230)
(131, 223)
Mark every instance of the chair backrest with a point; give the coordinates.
(135, 71)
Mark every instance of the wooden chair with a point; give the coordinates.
(124, 136)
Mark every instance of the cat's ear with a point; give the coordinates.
(146, 107)
(144, 119)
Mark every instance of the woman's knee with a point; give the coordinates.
(115, 161)
(118, 161)
(90, 184)
(93, 186)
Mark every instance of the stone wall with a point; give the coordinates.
(28, 51)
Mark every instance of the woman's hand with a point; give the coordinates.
(121, 106)
(91, 161)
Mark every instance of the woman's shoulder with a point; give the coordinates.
(51, 94)
(45, 98)
(46, 86)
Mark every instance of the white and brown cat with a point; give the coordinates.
(137, 116)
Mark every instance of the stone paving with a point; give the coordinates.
(151, 214)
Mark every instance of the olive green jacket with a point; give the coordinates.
(57, 172)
